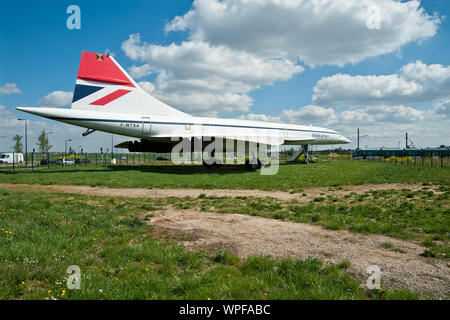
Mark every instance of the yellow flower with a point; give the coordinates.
(209, 298)
(117, 278)
(49, 291)
(63, 292)
(23, 283)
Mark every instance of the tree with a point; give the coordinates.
(291, 152)
(42, 144)
(18, 145)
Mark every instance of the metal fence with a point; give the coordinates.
(37, 161)
(416, 157)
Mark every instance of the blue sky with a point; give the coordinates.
(39, 55)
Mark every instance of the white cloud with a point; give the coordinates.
(321, 116)
(309, 115)
(381, 114)
(443, 108)
(304, 116)
(57, 99)
(10, 88)
(147, 86)
(7, 120)
(207, 104)
(236, 46)
(316, 32)
(138, 72)
(197, 77)
(416, 82)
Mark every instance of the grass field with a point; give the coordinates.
(121, 257)
(291, 177)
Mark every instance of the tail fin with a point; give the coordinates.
(102, 85)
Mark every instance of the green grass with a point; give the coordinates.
(121, 257)
(291, 177)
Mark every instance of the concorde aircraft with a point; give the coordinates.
(107, 99)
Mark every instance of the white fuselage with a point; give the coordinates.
(157, 127)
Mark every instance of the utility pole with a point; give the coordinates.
(406, 144)
(357, 135)
(26, 140)
(112, 146)
(65, 148)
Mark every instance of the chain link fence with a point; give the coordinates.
(54, 160)
(37, 160)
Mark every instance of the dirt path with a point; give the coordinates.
(163, 193)
(248, 235)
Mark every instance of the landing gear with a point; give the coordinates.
(304, 150)
(307, 157)
(252, 164)
(212, 163)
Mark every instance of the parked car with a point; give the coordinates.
(162, 159)
(81, 160)
(45, 162)
(122, 159)
(66, 162)
(10, 158)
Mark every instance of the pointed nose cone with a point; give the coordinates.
(345, 140)
(43, 112)
(32, 110)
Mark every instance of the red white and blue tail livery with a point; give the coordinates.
(102, 85)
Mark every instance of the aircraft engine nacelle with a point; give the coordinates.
(149, 146)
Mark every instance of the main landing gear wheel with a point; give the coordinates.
(212, 163)
(252, 165)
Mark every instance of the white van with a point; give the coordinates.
(10, 158)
